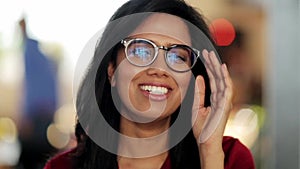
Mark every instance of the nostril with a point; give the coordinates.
(152, 71)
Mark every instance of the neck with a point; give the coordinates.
(143, 140)
(143, 143)
(141, 152)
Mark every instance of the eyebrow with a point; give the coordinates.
(157, 43)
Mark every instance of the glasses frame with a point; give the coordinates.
(128, 41)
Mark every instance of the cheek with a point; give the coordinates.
(124, 71)
(125, 74)
(183, 81)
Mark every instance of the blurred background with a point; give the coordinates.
(259, 41)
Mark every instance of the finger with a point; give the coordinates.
(225, 102)
(199, 94)
(207, 62)
(216, 69)
(223, 97)
(228, 93)
(213, 68)
(211, 62)
(212, 83)
(201, 88)
(200, 112)
(216, 65)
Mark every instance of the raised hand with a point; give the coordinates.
(209, 122)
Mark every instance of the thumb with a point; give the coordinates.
(199, 112)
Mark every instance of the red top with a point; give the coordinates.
(237, 156)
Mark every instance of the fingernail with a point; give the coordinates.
(205, 53)
(225, 66)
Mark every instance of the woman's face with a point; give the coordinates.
(155, 91)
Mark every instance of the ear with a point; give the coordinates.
(110, 74)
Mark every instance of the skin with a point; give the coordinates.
(166, 30)
(157, 74)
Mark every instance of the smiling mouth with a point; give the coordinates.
(156, 90)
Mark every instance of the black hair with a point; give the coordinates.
(88, 154)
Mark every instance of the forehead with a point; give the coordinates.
(164, 24)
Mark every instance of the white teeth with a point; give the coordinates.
(154, 89)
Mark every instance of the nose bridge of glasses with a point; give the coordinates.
(163, 48)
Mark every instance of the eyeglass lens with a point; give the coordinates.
(142, 53)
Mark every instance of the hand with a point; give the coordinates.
(210, 122)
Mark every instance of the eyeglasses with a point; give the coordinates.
(142, 52)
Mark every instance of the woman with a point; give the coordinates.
(145, 80)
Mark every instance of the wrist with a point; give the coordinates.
(209, 152)
(211, 147)
(211, 157)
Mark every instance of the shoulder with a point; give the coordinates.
(63, 160)
(237, 155)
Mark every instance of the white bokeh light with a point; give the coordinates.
(68, 23)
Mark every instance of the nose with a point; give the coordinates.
(159, 67)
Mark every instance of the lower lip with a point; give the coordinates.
(155, 97)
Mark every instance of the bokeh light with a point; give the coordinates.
(223, 31)
(56, 137)
(64, 118)
(60, 132)
(10, 148)
(8, 130)
(244, 125)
